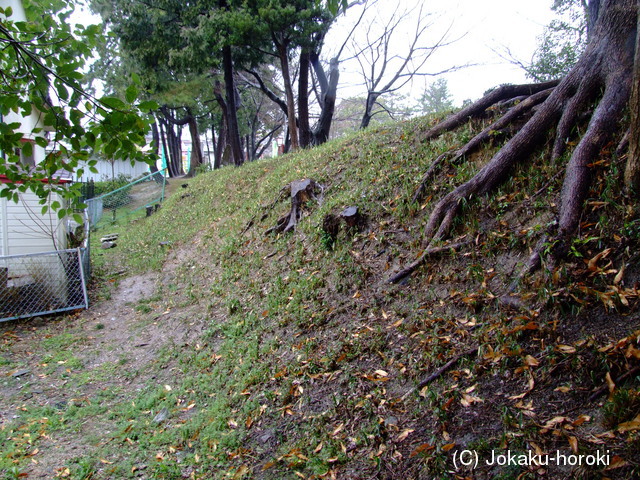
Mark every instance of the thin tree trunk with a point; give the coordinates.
(155, 136)
(303, 100)
(232, 107)
(196, 148)
(222, 136)
(214, 143)
(291, 109)
(368, 108)
(222, 142)
(175, 144)
(167, 146)
(206, 142)
(328, 98)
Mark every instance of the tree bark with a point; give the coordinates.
(372, 98)
(632, 170)
(232, 107)
(196, 148)
(328, 94)
(303, 99)
(223, 129)
(165, 149)
(288, 89)
(173, 150)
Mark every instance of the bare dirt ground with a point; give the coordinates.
(110, 347)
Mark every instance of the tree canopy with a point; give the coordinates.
(562, 42)
(41, 67)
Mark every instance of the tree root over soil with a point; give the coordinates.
(603, 74)
(442, 370)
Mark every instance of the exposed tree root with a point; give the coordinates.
(606, 387)
(284, 191)
(429, 252)
(479, 108)
(443, 369)
(431, 172)
(520, 108)
(606, 64)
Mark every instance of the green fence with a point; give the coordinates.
(134, 200)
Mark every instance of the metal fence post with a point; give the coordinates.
(83, 278)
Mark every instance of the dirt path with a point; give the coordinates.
(99, 355)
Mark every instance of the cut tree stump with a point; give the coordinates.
(302, 192)
(353, 218)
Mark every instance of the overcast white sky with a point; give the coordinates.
(485, 26)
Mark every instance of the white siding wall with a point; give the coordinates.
(23, 229)
(120, 167)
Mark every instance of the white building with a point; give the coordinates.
(109, 170)
(23, 227)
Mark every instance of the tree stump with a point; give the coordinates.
(302, 192)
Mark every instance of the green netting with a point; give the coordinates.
(134, 200)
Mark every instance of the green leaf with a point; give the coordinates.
(148, 106)
(111, 147)
(131, 93)
(27, 149)
(42, 142)
(113, 103)
(61, 88)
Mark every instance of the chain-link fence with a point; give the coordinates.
(43, 283)
(136, 199)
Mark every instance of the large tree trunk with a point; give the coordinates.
(632, 170)
(328, 89)
(605, 68)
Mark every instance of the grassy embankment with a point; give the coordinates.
(306, 357)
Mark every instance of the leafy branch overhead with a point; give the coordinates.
(41, 65)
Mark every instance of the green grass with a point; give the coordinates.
(282, 381)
